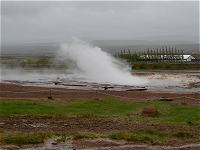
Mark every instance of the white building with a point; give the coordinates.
(188, 57)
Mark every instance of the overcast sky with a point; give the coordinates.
(43, 21)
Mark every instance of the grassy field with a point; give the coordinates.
(145, 136)
(125, 111)
(168, 112)
(164, 66)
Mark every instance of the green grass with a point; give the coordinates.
(67, 107)
(150, 136)
(23, 138)
(145, 136)
(19, 138)
(123, 110)
(33, 59)
(163, 66)
(168, 112)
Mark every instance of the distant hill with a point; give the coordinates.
(138, 42)
(142, 45)
(33, 49)
(111, 46)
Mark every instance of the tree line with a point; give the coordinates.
(166, 54)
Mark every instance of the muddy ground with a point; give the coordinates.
(19, 91)
(97, 125)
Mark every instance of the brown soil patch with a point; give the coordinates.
(81, 124)
(149, 111)
(18, 91)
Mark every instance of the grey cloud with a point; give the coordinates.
(57, 21)
(16, 8)
(106, 6)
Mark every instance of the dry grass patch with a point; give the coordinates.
(149, 111)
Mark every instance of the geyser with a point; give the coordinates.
(91, 64)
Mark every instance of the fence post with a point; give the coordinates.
(50, 97)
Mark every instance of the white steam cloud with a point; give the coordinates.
(94, 65)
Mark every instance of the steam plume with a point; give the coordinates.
(94, 65)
